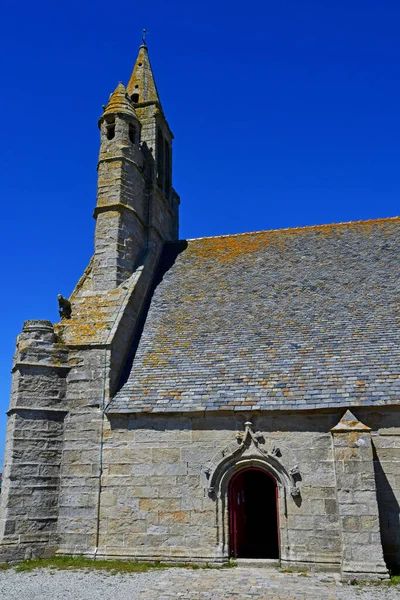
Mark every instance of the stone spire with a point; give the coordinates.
(142, 86)
(156, 140)
(119, 103)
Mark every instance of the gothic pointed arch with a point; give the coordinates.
(251, 450)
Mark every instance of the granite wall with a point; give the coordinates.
(156, 502)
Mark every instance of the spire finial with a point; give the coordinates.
(144, 37)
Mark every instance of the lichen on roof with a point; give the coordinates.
(287, 319)
(93, 313)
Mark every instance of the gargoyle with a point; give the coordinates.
(64, 307)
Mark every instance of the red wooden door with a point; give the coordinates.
(237, 514)
(253, 524)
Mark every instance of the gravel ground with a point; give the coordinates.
(184, 584)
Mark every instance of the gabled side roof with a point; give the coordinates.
(292, 319)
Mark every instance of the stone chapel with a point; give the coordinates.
(233, 396)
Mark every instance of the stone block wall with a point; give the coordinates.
(164, 214)
(80, 463)
(31, 476)
(155, 502)
(121, 211)
(120, 242)
(385, 438)
(362, 554)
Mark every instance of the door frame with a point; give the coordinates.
(231, 537)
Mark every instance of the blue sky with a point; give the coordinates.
(285, 114)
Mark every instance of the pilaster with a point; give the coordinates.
(362, 554)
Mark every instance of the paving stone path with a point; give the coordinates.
(259, 584)
(241, 583)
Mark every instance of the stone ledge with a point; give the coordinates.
(117, 553)
(39, 364)
(116, 206)
(364, 575)
(119, 158)
(264, 563)
(36, 409)
(298, 565)
(35, 324)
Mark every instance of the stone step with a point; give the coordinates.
(263, 563)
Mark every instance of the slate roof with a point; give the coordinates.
(292, 319)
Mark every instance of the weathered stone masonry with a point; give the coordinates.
(157, 501)
(34, 443)
(135, 214)
(187, 362)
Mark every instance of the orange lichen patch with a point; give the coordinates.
(173, 516)
(119, 103)
(92, 318)
(349, 423)
(231, 247)
(145, 504)
(93, 314)
(142, 80)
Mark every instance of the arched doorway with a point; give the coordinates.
(253, 518)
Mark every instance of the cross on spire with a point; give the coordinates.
(144, 37)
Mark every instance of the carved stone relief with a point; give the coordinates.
(251, 446)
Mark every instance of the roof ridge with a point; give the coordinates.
(340, 224)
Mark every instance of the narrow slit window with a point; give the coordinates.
(167, 159)
(160, 159)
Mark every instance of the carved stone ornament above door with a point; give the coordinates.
(252, 447)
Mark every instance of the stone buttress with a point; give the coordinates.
(34, 444)
(362, 555)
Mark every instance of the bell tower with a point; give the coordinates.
(137, 207)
